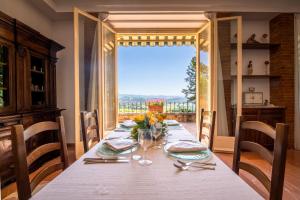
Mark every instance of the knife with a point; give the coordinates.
(120, 130)
(105, 161)
(117, 137)
(183, 140)
(106, 158)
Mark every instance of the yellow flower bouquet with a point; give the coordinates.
(147, 121)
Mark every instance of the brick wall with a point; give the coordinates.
(282, 63)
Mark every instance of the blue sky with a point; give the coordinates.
(153, 70)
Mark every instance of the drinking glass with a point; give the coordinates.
(135, 156)
(145, 140)
(166, 133)
(156, 134)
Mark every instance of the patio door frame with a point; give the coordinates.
(107, 25)
(101, 76)
(226, 143)
(207, 26)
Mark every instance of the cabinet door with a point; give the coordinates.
(38, 80)
(7, 73)
(52, 83)
(23, 82)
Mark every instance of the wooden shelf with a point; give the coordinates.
(3, 88)
(256, 46)
(257, 76)
(37, 72)
(3, 64)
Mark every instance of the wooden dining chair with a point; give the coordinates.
(276, 158)
(89, 129)
(207, 127)
(23, 161)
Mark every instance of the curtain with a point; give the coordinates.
(221, 114)
(92, 100)
(110, 87)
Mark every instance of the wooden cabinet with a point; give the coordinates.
(37, 80)
(7, 72)
(27, 86)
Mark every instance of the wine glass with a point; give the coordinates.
(135, 156)
(145, 140)
(166, 134)
(156, 130)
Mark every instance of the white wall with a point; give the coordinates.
(62, 32)
(28, 14)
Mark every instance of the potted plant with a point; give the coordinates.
(156, 105)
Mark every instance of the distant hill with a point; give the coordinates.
(124, 98)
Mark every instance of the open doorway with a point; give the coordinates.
(157, 30)
(164, 74)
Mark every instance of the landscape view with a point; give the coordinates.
(129, 103)
(168, 74)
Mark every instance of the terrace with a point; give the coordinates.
(180, 111)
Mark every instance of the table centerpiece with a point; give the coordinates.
(149, 121)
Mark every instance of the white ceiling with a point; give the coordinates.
(176, 5)
(164, 14)
(151, 20)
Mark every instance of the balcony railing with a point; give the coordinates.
(169, 107)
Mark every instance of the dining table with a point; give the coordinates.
(161, 180)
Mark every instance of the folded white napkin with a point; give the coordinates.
(120, 144)
(128, 123)
(171, 122)
(118, 134)
(184, 146)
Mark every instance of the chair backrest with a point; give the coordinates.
(24, 161)
(89, 129)
(207, 127)
(276, 158)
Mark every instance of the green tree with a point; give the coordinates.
(190, 91)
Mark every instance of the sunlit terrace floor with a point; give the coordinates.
(292, 174)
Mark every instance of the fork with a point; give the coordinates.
(183, 140)
(195, 162)
(186, 167)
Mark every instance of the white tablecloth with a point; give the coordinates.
(161, 180)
